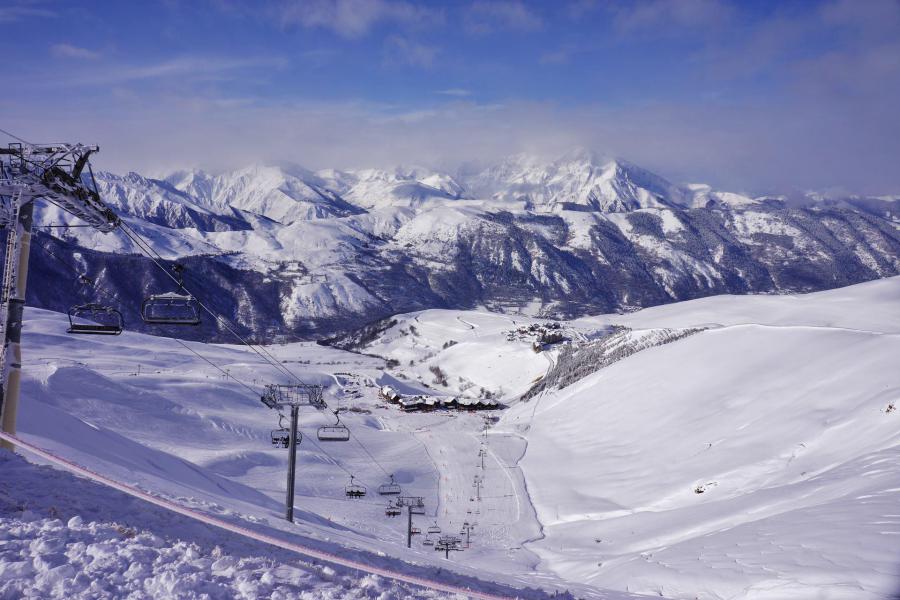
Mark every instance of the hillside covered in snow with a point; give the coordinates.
(283, 250)
(734, 447)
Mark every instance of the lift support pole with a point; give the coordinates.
(292, 463)
(409, 526)
(15, 278)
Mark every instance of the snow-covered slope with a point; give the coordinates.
(578, 179)
(311, 254)
(376, 188)
(284, 194)
(756, 459)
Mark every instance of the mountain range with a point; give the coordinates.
(284, 251)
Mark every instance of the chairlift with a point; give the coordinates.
(95, 319)
(172, 308)
(334, 433)
(415, 531)
(281, 437)
(434, 529)
(392, 511)
(355, 490)
(389, 489)
(428, 542)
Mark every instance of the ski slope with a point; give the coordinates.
(757, 459)
(778, 412)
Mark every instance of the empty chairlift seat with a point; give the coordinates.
(170, 308)
(334, 433)
(389, 489)
(434, 529)
(95, 319)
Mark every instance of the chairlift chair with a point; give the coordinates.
(415, 531)
(355, 490)
(428, 542)
(95, 319)
(281, 438)
(334, 433)
(171, 308)
(434, 529)
(392, 511)
(389, 489)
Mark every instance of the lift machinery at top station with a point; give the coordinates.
(60, 174)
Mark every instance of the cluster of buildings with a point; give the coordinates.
(415, 403)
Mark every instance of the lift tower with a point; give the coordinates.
(60, 174)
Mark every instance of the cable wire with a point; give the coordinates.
(143, 245)
(16, 137)
(261, 351)
(223, 371)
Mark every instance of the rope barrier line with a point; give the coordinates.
(249, 533)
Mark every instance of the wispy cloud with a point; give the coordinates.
(663, 17)
(457, 92)
(353, 18)
(197, 68)
(402, 51)
(70, 51)
(485, 17)
(17, 11)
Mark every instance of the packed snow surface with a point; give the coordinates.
(756, 458)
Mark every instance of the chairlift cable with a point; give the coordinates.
(337, 463)
(366, 450)
(223, 371)
(144, 245)
(16, 137)
(260, 351)
(141, 245)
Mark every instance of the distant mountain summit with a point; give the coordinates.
(279, 248)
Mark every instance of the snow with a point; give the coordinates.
(782, 425)
(754, 459)
(113, 546)
(147, 412)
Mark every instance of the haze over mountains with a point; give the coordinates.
(278, 248)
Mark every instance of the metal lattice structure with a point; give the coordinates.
(292, 396)
(280, 396)
(60, 174)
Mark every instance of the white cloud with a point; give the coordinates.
(457, 92)
(485, 17)
(402, 51)
(70, 51)
(353, 18)
(663, 17)
(18, 11)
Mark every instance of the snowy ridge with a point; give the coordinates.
(316, 253)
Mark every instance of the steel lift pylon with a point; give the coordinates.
(60, 174)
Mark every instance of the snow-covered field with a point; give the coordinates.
(754, 459)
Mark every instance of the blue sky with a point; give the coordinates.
(751, 96)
